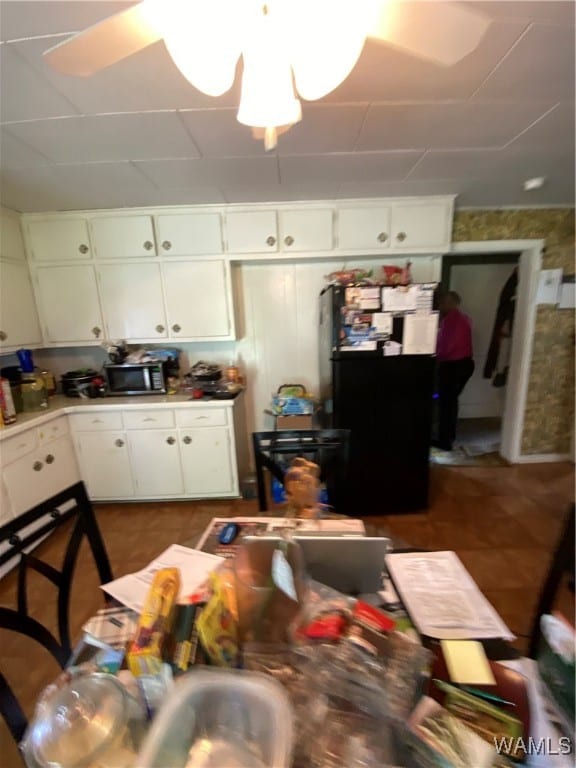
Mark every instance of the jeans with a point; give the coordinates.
(452, 378)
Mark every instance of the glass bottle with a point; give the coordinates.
(34, 397)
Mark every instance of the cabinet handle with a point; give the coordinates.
(3, 336)
(170, 440)
(49, 459)
(271, 240)
(160, 328)
(166, 245)
(289, 240)
(96, 331)
(118, 443)
(382, 237)
(176, 328)
(401, 236)
(187, 440)
(148, 245)
(83, 248)
(37, 466)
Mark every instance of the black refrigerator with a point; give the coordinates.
(387, 404)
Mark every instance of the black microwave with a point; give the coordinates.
(136, 379)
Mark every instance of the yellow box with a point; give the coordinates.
(145, 653)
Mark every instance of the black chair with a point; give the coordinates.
(562, 563)
(329, 448)
(17, 538)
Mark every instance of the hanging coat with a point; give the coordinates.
(502, 324)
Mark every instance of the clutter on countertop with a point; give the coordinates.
(207, 380)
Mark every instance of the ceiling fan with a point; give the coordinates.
(289, 48)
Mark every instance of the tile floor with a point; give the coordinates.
(502, 521)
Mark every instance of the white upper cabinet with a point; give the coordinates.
(11, 242)
(132, 301)
(198, 299)
(421, 225)
(189, 234)
(252, 232)
(122, 237)
(19, 326)
(57, 239)
(306, 230)
(68, 303)
(364, 228)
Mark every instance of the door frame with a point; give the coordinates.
(529, 266)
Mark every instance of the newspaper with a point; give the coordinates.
(442, 598)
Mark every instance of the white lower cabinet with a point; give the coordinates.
(155, 461)
(105, 464)
(41, 473)
(207, 461)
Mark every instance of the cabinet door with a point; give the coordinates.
(19, 324)
(11, 242)
(198, 299)
(155, 460)
(122, 237)
(207, 461)
(364, 228)
(252, 232)
(105, 464)
(306, 230)
(39, 475)
(68, 303)
(6, 513)
(58, 239)
(132, 301)
(189, 234)
(420, 226)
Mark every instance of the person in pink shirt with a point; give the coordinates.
(455, 365)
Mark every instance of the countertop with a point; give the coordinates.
(60, 405)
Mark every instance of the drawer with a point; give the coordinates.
(97, 421)
(202, 417)
(16, 447)
(52, 430)
(161, 417)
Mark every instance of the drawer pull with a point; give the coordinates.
(271, 240)
(187, 440)
(401, 236)
(199, 418)
(176, 328)
(50, 459)
(148, 245)
(97, 421)
(96, 331)
(149, 418)
(170, 440)
(166, 245)
(159, 329)
(119, 443)
(289, 240)
(382, 237)
(83, 248)
(37, 466)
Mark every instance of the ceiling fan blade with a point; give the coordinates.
(443, 32)
(105, 43)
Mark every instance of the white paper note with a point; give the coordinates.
(400, 299)
(420, 333)
(194, 567)
(382, 322)
(549, 286)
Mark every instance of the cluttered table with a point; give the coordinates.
(399, 676)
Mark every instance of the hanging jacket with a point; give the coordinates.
(503, 322)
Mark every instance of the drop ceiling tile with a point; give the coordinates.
(217, 133)
(29, 19)
(108, 137)
(324, 128)
(24, 94)
(444, 126)
(339, 168)
(219, 172)
(148, 195)
(355, 190)
(560, 11)
(14, 153)
(264, 193)
(383, 74)
(556, 129)
(483, 163)
(148, 80)
(540, 67)
(502, 190)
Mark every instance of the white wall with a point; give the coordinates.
(479, 285)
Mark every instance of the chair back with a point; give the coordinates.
(17, 540)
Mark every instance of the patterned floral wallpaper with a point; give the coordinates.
(549, 414)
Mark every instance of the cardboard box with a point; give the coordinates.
(295, 422)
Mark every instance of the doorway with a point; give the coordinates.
(479, 279)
